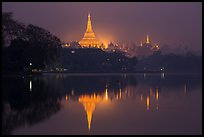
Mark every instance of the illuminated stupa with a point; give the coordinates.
(148, 44)
(147, 40)
(89, 40)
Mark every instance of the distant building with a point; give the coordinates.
(147, 48)
(147, 42)
(112, 47)
(89, 40)
(72, 45)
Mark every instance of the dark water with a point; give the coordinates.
(102, 104)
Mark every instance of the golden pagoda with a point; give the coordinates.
(89, 40)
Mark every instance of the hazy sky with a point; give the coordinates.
(167, 23)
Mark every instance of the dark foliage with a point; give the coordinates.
(172, 63)
(30, 47)
(96, 60)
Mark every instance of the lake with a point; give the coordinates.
(115, 104)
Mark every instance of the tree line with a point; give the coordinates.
(27, 46)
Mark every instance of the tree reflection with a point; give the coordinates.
(29, 100)
(21, 107)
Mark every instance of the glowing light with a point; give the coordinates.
(157, 94)
(89, 39)
(147, 40)
(141, 44)
(89, 103)
(148, 102)
(72, 51)
(66, 98)
(162, 75)
(120, 94)
(66, 45)
(104, 42)
(30, 85)
(106, 46)
(30, 64)
(106, 94)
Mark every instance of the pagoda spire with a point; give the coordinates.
(89, 27)
(147, 40)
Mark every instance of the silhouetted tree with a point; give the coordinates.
(45, 46)
(27, 44)
(11, 28)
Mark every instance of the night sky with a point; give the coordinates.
(166, 23)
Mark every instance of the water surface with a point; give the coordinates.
(102, 104)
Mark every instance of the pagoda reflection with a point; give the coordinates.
(91, 100)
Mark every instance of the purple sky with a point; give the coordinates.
(167, 23)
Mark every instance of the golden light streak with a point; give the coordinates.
(147, 40)
(120, 95)
(148, 102)
(157, 94)
(89, 103)
(106, 94)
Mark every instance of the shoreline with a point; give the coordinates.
(96, 73)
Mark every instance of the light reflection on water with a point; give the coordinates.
(103, 104)
(90, 101)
